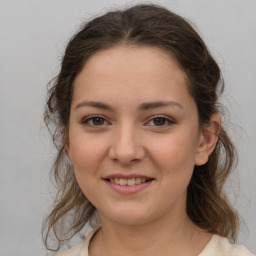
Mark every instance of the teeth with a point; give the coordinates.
(131, 182)
(140, 180)
(123, 182)
(128, 182)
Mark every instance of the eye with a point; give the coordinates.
(160, 121)
(95, 121)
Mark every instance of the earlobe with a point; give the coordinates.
(65, 140)
(67, 151)
(208, 140)
(66, 147)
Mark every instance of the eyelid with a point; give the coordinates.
(167, 118)
(85, 120)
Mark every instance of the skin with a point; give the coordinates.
(122, 135)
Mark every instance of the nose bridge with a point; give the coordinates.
(126, 145)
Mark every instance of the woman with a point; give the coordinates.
(134, 114)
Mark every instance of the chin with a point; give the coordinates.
(129, 217)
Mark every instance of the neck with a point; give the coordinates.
(161, 237)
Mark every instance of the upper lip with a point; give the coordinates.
(126, 176)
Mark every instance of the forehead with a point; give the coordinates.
(135, 59)
(138, 72)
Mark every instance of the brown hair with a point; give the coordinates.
(151, 25)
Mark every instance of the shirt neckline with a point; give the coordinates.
(208, 248)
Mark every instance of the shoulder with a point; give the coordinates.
(74, 251)
(220, 246)
(80, 249)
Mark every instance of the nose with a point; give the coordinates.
(127, 146)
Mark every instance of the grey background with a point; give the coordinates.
(33, 35)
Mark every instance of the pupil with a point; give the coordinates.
(159, 121)
(98, 121)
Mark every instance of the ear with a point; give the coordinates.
(208, 138)
(65, 139)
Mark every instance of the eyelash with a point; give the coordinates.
(89, 121)
(163, 118)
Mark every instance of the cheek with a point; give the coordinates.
(86, 153)
(176, 165)
(175, 157)
(176, 148)
(87, 156)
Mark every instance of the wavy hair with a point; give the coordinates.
(149, 25)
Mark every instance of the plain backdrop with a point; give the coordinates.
(33, 35)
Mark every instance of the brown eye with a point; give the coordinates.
(95, 121)
(98, 121)
(159, 121)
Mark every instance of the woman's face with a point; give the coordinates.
(134, 134)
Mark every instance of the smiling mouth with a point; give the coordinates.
(129, 182)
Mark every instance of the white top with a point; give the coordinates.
(217, 246)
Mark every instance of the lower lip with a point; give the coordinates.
(128, 189)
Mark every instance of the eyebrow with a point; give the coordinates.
(94, 104)
(143, 106)
(158, 104)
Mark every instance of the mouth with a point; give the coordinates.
(129, 181)
(128, 184)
